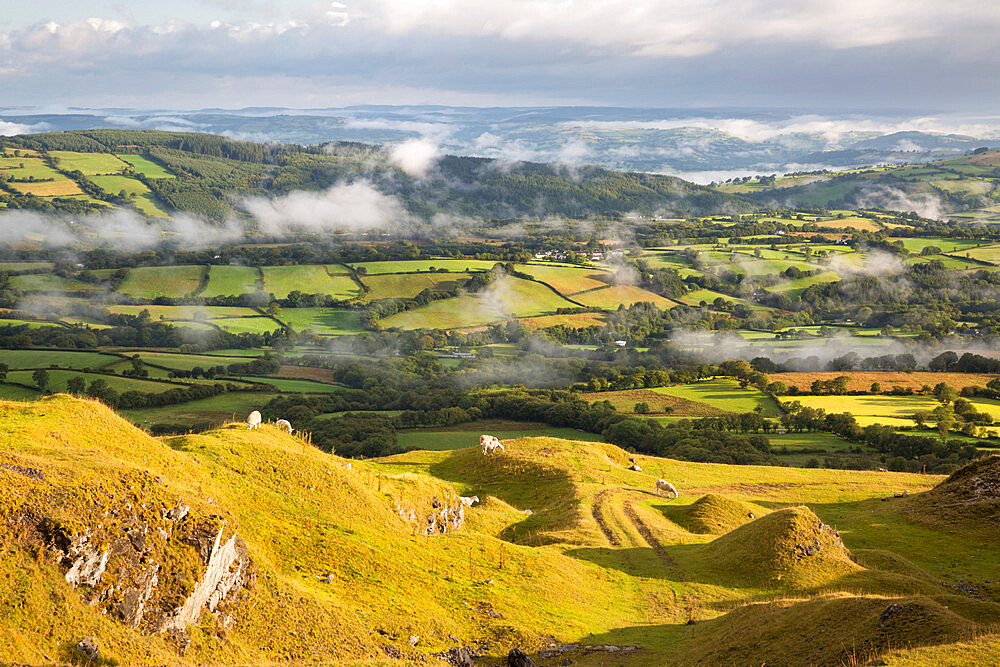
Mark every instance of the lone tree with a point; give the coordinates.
(41, 378)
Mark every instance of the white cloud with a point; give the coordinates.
(415, 156)
(346, 206)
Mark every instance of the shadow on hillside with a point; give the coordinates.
(545, 491)
(633, 561)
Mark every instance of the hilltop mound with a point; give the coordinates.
(829, 630)
(970, 494)
(714, 514)
(790, 547)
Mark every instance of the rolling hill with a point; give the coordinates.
(237, 546)
(159, 173)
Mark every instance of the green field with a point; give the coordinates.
(26, 266)
(797, 285)
(186, 312)
(186, 362)
(58, 379)
(231, 281)
(88, 164)
(416, 265)
(238, 325)
(322, 321)
(146, 167)
(153, 281)
(915, 245)
(141, 196)
(16, 359)
(408, 285)
(507, 296)
(50, 282)
(308, 279)
(610, 298)
(723, 394)
(11, 392)
(567, 280)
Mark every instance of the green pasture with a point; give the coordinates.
(26, 266)
(18, 359)
(238, 325)
(11, 392)
(567, 280)
(146, 167)
(186, 312)
(231, 281)
(508, 296)
(408, 285)
(308, 279)
(186, 362)
(142, 197)
(915, 245)
(58, 379)
(415, 265)
(89, 164)
(986, 253)
(872, 409)
(724, 395)
(31, 324)
(50, 282)
(613, 296)
(171, 281)
(322, 321)
(799, 285)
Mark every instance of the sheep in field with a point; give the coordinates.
(490, 444)
(253, 421)
(285, 425)
(468, 501)
(664, 485)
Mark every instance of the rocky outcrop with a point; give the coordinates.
(225, 573)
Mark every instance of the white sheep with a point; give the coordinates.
(253, 421)
(285, 425)
(635, 468)
(664, 485)
(468, 501)
(490, 444)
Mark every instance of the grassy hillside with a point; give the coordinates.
(158, 172)
(316, 569)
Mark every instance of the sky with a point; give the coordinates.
(817, 54)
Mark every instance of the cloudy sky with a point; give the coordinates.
(848, 54)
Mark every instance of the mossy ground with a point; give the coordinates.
(598, 560)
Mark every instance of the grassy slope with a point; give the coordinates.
(595, 527)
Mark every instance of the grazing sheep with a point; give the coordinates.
(253, 421)
(635, 468)
(285, 425)
(468, 501)
(664, 485)
(901, 495)
(490, 444)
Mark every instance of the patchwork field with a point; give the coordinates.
(143, 165)
(322, 321)
(567, 280)
(153, 281)
(59, 378)
(508, 296)
(408, 285)
(89, 164)
(725, 395)
(659, 403)
(18, 359)
(142, 197)
(308, 279)
(238, 325)
(186, 312)
(50, 282)
(231, 281)
(573, 321)
(617, 295)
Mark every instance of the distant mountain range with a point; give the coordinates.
(698, 144)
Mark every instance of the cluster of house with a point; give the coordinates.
(594, 256)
